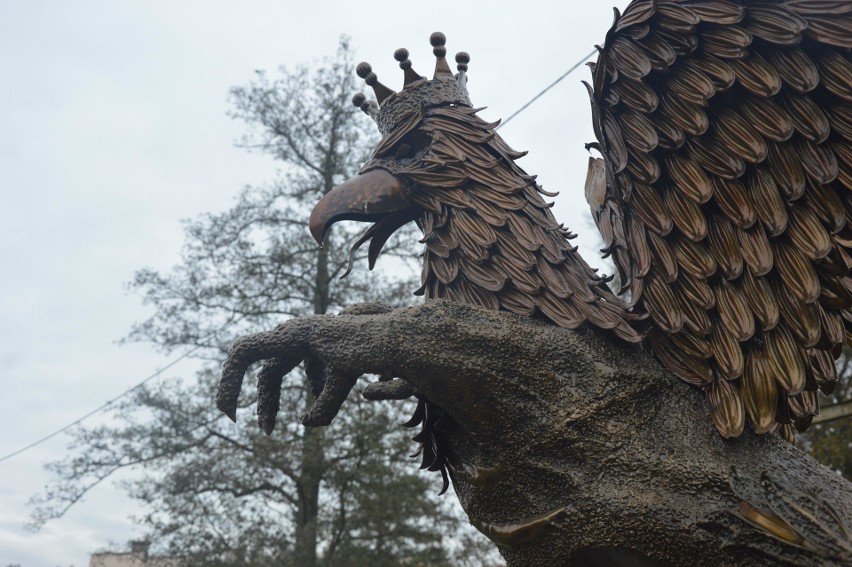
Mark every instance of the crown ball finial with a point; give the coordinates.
(438, 39)
(462, 59)
(363, 69)
(361, 101)
(411, 77)
(401, 55)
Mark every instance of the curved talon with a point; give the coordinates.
(269, 392)
(329, 400)
(316, 372)
(231, 382)
(248, 350)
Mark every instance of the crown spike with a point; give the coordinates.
(367, 106)
(438, 41)
(411, 76)
(462, 59)
(365, 71)
(418, 93)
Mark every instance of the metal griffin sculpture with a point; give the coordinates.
(724, 198)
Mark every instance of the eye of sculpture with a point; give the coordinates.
(412, 146)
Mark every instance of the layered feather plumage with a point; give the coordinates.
(490, 237)
(723, 199)
(726, 129)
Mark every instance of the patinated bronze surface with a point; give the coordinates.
(723, 197)
(490, 237)
(727, 133)
(568, 448)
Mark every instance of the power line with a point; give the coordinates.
(108, 403)
(550, 86)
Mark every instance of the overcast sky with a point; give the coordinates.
(113, 128)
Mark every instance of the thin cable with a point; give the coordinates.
(108, 403)
(550, 86)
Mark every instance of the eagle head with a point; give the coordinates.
(437, 159)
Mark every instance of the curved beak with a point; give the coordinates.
(366, 197)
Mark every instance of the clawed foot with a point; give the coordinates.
(331, 378)
(282, 350)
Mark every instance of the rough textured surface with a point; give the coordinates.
(565, 447)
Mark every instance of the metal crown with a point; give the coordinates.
(417, 92)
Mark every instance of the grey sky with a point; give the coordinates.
(113, 128)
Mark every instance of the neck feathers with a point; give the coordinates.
(491, 239)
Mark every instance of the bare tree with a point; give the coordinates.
(224, 495)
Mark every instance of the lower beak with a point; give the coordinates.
(366, 197)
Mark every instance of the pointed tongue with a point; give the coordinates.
(379, 233)
(366, 197)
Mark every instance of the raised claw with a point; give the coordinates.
(269, 381)
(248, 350)
(334, 393)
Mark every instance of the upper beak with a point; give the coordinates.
(366, 197)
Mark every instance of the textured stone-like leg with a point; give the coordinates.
(566, 447)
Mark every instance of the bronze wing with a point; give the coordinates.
(726, 129)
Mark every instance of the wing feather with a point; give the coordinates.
(727, 135)
(796, 69)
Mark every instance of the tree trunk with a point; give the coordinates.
(313, 450)
(569, 447)
(305, 553)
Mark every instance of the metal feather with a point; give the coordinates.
(775, 24)
(759, 391)
(726, 42)
(756, 75)
(726, 408)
